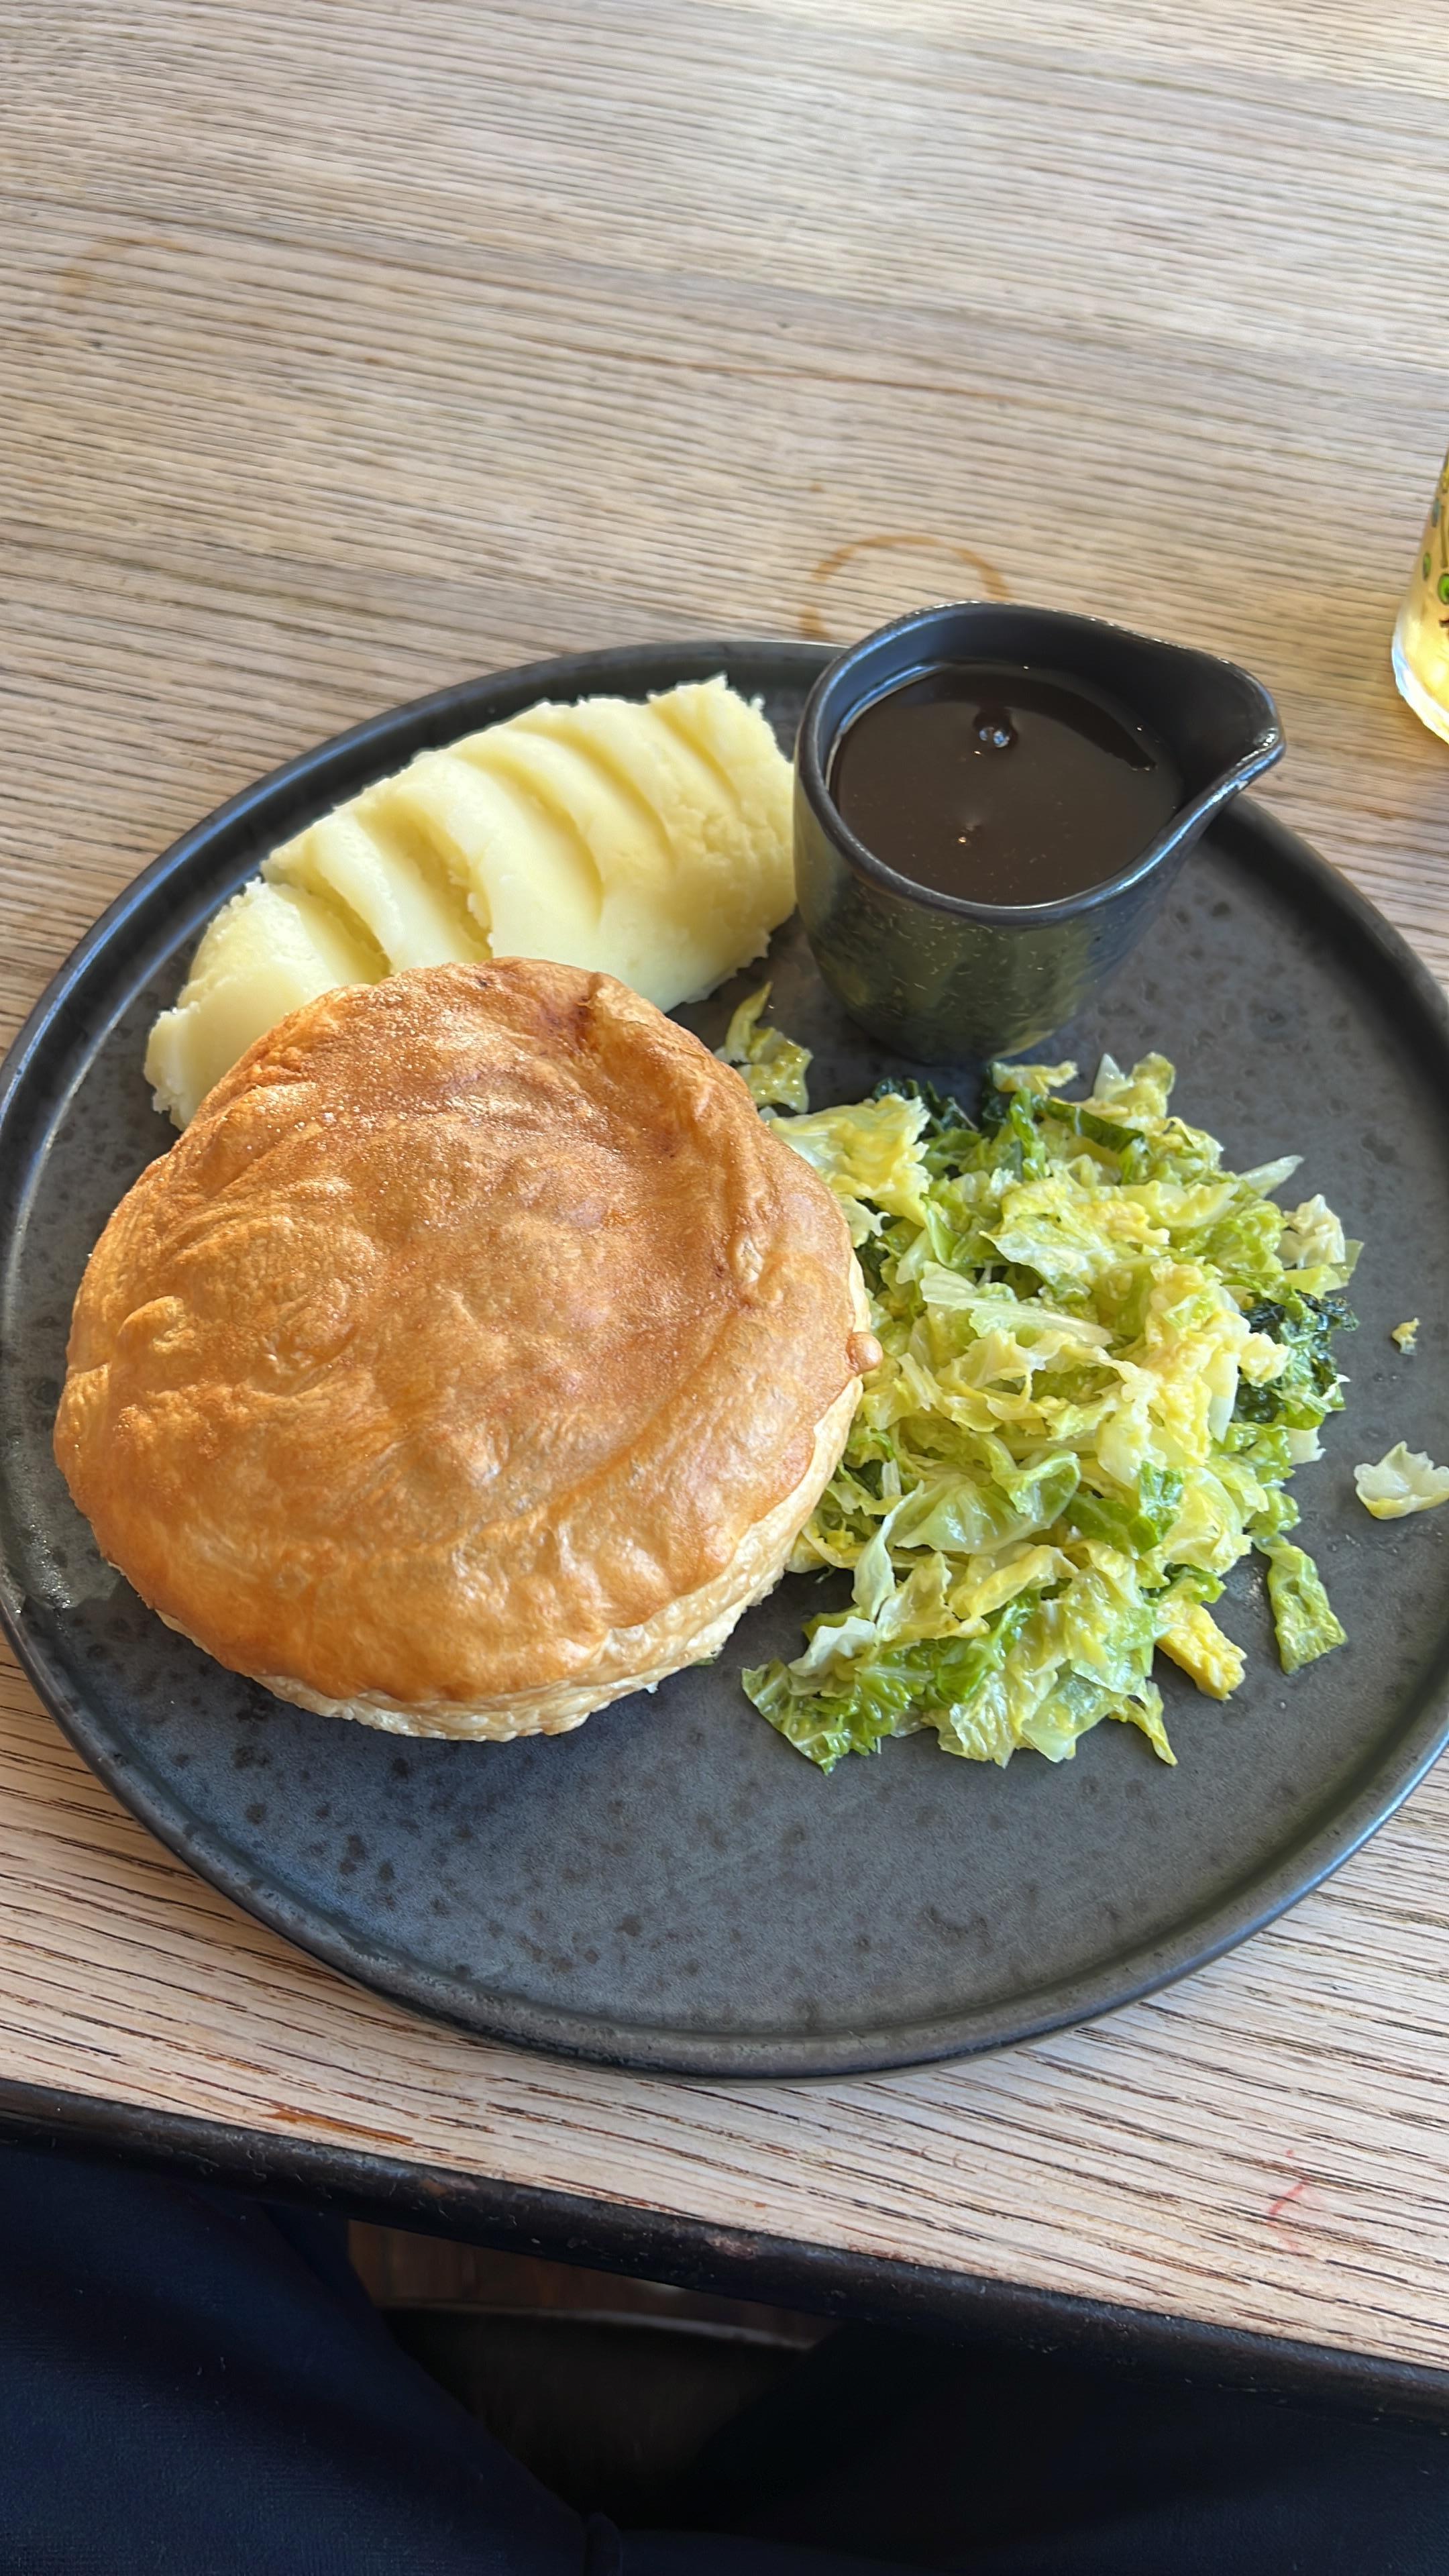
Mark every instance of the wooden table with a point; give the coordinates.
(351, 350)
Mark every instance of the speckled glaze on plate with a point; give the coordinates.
(673, 1887)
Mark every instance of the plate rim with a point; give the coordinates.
(1383, 1783)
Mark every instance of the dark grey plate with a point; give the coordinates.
(673, 1887)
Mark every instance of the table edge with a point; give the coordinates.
(693, 2254)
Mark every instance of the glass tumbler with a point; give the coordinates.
(1421, 637)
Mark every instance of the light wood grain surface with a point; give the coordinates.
(350, 350)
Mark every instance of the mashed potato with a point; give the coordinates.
(647, 841)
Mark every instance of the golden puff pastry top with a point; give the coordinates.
(476, 1315)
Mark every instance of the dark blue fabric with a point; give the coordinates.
(1010, 2463)
(189, 2388)
(195, 2384)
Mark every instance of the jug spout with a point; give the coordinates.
(1217, 723)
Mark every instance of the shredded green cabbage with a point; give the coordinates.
(1404, 1480)
(773, 1066)
(1104, 1356)
(1306, 1625)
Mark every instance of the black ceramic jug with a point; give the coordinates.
(940, 978)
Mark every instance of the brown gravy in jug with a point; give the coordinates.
(1001, 784)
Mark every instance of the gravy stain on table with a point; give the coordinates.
(821, 616)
